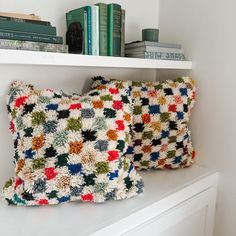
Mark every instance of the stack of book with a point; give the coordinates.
(29, 32)
(155, 50)
(103, 28)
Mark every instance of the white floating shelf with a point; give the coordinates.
(20, 57)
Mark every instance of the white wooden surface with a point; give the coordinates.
(164, 190)
(20, 57)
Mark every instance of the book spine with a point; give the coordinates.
(89, 29)
(152, 49)
(79, 15)
(39, 22)
(165, 56)
(122, 39)
(95, 30)
(151, 44)
(27, 27)
(22, 16)
(85, 34)
(16, 35)
(102, 29)
(114, 26)
(32, 46)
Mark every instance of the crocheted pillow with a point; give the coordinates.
(69, 147)
(161, 138)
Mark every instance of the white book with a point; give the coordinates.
(152, 49)
(95, 30)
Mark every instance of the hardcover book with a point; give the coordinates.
(152, 49)
(32, 46)
(122, 40)
(159, 55)
(102, 29)
(27, 27)
(40, 22)
(114, 30)
(22, 16)
(89, 28)
(95, 30)
(152, 44)
(17, 35)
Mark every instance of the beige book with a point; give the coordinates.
(21, 16)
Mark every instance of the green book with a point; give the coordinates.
(27, 27)
(17, 35)
(79, 15)
(114, 30)
(102, 29)
(122, 39)
(88, 10)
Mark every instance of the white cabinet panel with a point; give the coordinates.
(192, 217)
(194, 225)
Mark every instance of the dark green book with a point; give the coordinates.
(114, 30)
(122, 39)
(102, 29)
(79, 15)
(39, 22)
(17, 35)
(27, 27)
(89, 29)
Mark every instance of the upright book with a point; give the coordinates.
(79, 15)
(114, 30)
(102, 29)
(27, 27)
(95, 30)
(122, 37)
(89, 29)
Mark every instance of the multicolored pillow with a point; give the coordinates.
(70, 147)
(161, 138)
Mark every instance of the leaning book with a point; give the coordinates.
(32, 46)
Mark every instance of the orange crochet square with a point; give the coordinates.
(98, 104)
(146, 118)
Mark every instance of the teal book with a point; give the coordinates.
(89, 28)
(27, 27)
(17, 35)
(122, 37)
(114, 30)
(102, 29)
(79, 15)
(95, 30)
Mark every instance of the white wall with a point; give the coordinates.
(139, 15)
(207, 31)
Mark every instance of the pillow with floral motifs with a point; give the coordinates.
(70, 147)
(161, 137)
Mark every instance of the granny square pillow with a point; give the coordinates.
(161, 138)
(70, 147)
